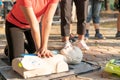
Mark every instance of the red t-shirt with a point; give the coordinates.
(16, 16)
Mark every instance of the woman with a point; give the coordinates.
(24, 18)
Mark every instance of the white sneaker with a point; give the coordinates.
(81, 44)
(67, 45)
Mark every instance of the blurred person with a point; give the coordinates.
(1, 7)
(94, 7)
(117, 6)
(66, 16)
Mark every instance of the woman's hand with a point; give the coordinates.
(44, 53)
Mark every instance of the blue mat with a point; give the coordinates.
(74, 70)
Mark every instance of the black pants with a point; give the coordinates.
(66, 14)
(16, 41)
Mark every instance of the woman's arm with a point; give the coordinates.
(33, 22)
(46, 25)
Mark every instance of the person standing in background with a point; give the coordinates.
(117, 6)
(66, 14)
(1, 7)
(94, 7)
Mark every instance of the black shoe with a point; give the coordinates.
(72, 38)
(98, 36)
(117, 35)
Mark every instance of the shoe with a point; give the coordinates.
(81, 44)
(98, 36)
(86, 36)
(72, 38)
(117, 35)
(67, 45)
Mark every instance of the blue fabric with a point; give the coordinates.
(94, 8)
(1, 3)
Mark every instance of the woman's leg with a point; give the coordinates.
(96, 18)
(118, 27)
(88, 18)
(96, 11)
(29, 45)
(66, 14)
(80, 11)
(118, 23)
(15, 40)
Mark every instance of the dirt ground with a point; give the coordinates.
(101, 51)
